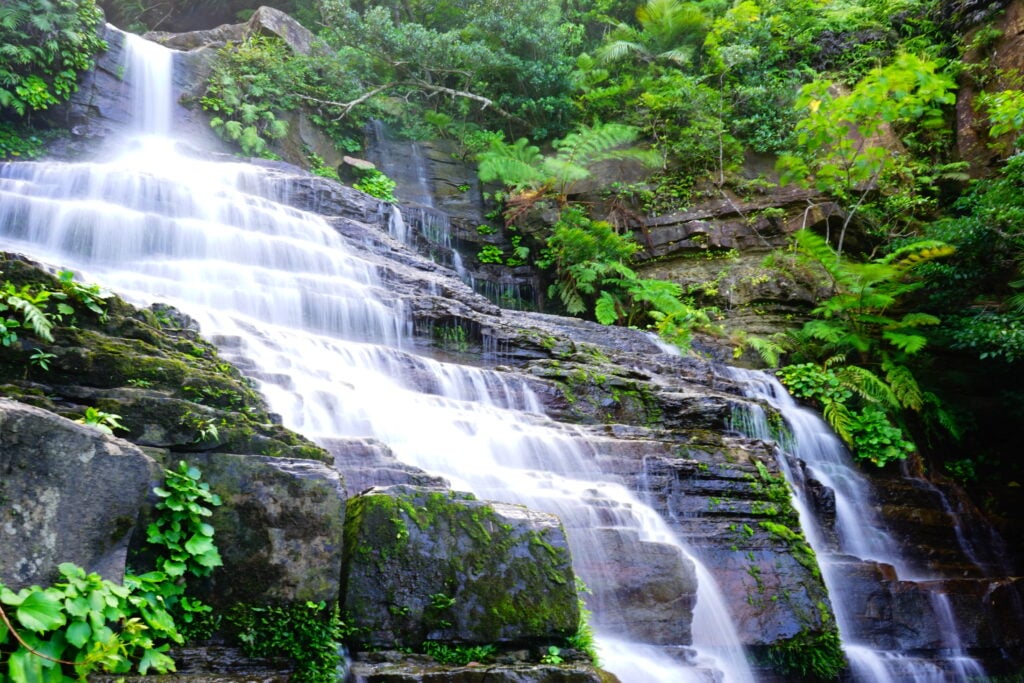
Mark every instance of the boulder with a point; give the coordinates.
(68, 493)
(265, 21)
(431, 564)
(279, 530)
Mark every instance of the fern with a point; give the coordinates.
(904, 386)
(516, 165)
(840, 419)
(868, 385)
(767, 349)
(35, 317)
(522, 167)
(907, 343)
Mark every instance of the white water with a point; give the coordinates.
(309, 315)
(862, 537)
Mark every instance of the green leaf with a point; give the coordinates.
(154, 658)
(41, 612)
(25, 667)
(78, 633)
(198, 545)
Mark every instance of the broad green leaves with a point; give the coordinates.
(85, 623)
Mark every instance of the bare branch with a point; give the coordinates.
(346, 107)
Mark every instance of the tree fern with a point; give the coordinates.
(517, 165)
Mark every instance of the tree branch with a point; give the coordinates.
(346, 107)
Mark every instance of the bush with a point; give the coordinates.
(44, 45)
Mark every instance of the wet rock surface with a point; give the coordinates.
(434, 564)
(68, 493)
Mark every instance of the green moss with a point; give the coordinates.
(809, 656)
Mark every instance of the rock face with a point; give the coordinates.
(265, 21)
(430, 564)
(68, 494)
(280, 529)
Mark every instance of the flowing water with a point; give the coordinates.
(861, 539)
(305, 313)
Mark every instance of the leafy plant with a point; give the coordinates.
(41, 359)
(85, 624)
(184, 538)
(308, 633)
(863, 381)
(44, 45)
(838, 138)
(552, 656)
(91, 296)
(101, 420)
(377, 184)
(459, 655)
(246, 91)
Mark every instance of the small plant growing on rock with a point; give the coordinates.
(101, 420)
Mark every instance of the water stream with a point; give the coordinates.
(305, 313)
(861, 540)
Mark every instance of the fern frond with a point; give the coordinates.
(839, 418)
(824, 331)
(588, 144)
(938, 412)
(35, 317)
(868, 385)
(767, 349)
(517, 165)
(12, 17)
(837, 359)
(917, 253)
(908, 343)
(606, 310)
(918, 319)
(904, 386)
(814, 246)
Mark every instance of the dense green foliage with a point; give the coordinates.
(307, 633)
(84, 623)
(44, 45)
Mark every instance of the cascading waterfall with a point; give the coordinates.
(862, 538)
(308, 317)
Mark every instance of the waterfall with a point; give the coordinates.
(306, 313)
(860, 549)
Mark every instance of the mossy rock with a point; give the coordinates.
(432, 564)
(150, 366)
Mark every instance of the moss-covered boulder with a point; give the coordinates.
(150, 367)
(431, 564)
(279, 529)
